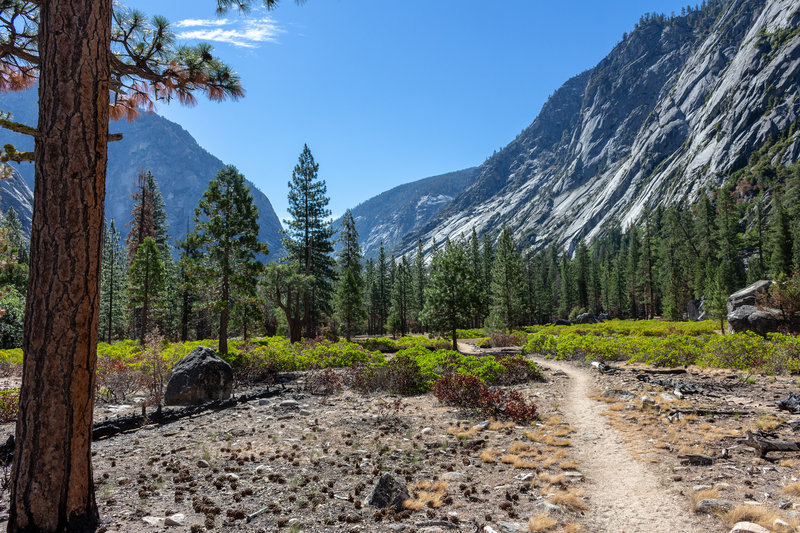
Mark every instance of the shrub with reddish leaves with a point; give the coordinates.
(472, 392)
(400, 375)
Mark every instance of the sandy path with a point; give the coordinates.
(625, 496)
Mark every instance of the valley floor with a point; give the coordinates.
(606, 455)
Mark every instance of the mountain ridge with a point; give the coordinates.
(180, 165)
(676, 106)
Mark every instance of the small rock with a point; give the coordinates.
(425, 431)
(178, 519)
(202, 464)
(289, 404)
(648, 402)
(667, 397)
(454, 476)
(388, 492)
(489, 529)
(748, 527)
(398, 527)
(781, 526)
(511, 526)
(574, 474)
(264, 401)
(232, 477)
(483, 425)
(524, 477)
(619, 395)
(547, 507)
(678, 394)
(153, 520)
(698, 488)
(122, 481)
(430, 529)
(558, 372)
(305, 412)
(712, 505)
(261, 470)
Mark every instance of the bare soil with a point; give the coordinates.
(593, 462)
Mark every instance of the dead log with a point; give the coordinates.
(764, 446)
(707, 412)
(113, 427)
(696, 459)
(662, 371)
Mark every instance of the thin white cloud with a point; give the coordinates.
(192, 23)
(246, 33)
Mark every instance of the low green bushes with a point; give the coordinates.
(667, 344)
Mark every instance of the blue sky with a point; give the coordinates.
(386, 92)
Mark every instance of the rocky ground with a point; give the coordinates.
(609, 453)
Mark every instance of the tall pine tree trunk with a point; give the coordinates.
(51, 479)
(225, 312)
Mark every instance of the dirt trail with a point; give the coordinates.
(625, 496)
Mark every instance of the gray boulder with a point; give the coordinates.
(199, 377)
(388, 492)
(745, 313)
(586, 318)
(749, 295)
(695, 310)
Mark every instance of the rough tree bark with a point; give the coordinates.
(51, 478)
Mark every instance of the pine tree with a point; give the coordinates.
(567, 287)
(583, 270)
(349, 292)
(113, 299)
(369, 296)
(383, 289)
(632, 271)
(286, 286)
(508, 283)
(142, 224)
(420, 281)
(146, 283)
(780, 239)
(402, 298)
(729, 242)
(16, 238)
(226, 229)
(451, 295)
(309, 239)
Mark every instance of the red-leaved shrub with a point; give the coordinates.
(471, 392)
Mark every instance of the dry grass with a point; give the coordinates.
(568, 465)
(541, 522)
(792, 489)
(509, 459)
(546, 478)
(520, 447)
(550, 440)
(768, 422)
(554, 455)
(497, 426)
(701, 495)
(573, 528)
(463, 432)
(571, 499)
(522, 462)
(750, 513)
(426, 494)
(489, 455)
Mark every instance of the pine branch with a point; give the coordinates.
(19, 128)
(11, 154)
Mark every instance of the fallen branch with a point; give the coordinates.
(764, 446)
(707, 412)
(110, 428)
(696, 459)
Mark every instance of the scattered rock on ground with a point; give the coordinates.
(388, 492)
(748, 527)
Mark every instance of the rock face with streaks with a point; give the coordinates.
(677, 105)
